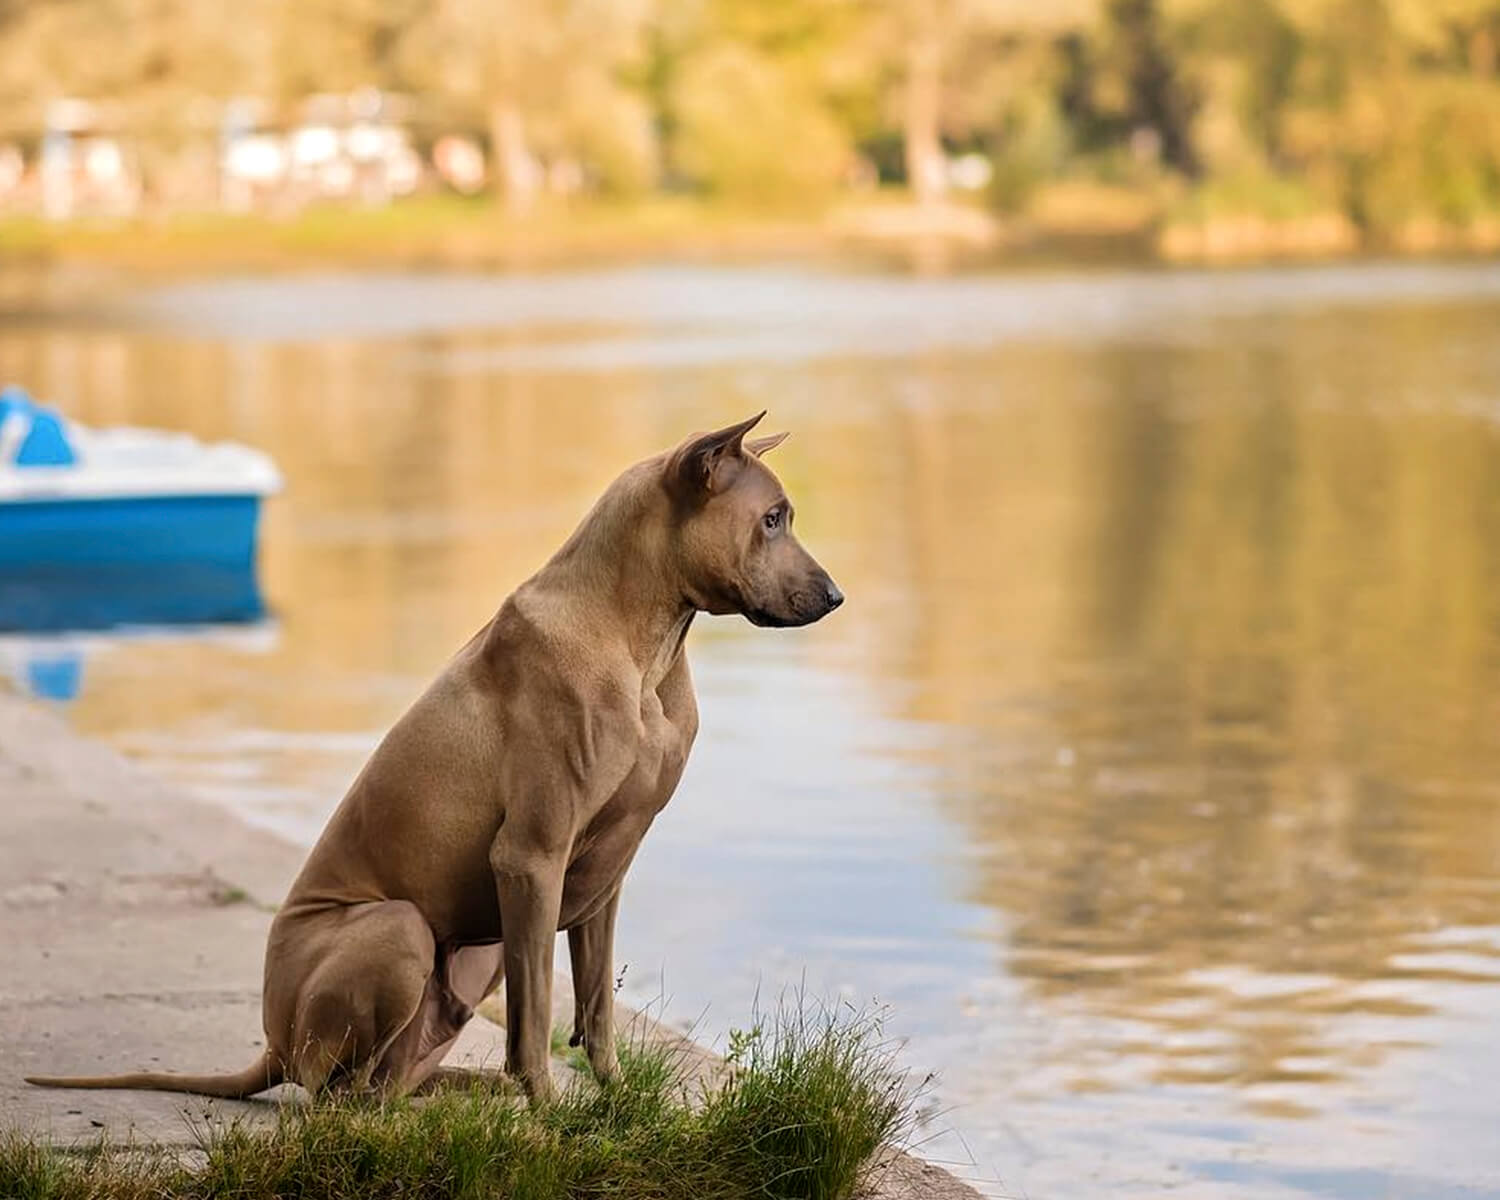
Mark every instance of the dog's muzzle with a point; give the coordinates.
(803, 606)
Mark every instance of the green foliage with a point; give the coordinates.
(1253, 193)
(813, 1095)
(1381, 113)
(1439, 157)
(742, 1042)
(748, 131)
(1030, 146)
(798, 1117)
(611, 130)
(1149, 92)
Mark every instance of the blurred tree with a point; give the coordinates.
(1140, 87)
(919, 49)
(1395, 115)
(157, 70)
(1262, 49)
(1381, 110)
(926, 27)
(540, 75)
(750, 91)
(748, 130)
(1467, 31)
(336, 45)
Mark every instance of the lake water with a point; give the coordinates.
(1151, 773)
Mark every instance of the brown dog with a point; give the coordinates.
(508, 802)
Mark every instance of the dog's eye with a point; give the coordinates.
(772, 520)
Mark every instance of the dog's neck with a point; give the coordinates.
(618, 564)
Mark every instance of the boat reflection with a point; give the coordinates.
(52, 666)
(62, 597)
(53, 618)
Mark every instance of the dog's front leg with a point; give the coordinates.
(529, 882)
(591, 946)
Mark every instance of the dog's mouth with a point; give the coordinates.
(769, 620)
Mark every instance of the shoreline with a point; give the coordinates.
(137, 917)
(448, 234)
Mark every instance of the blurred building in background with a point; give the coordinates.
(352, 147)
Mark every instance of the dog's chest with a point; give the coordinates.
(659, 751)
(660, 756)
(604, 850)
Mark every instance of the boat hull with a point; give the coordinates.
(100, 563)
(146, 530)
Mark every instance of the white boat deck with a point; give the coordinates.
(127, 463)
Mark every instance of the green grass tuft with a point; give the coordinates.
(225, 895)
(809, 1100)
(805, 1100)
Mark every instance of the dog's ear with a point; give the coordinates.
(759, 446)
(708, 462)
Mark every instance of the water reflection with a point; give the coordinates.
(57, 598)
(44, 669)
(53, 667)
(1150, 770)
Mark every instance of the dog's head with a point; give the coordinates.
(733, 532)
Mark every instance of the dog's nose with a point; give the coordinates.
(835, 597)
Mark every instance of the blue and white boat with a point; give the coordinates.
(109, 527)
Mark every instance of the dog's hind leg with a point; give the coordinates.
(362, 974)
(463, 976)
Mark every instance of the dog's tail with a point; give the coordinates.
(265, 1073)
